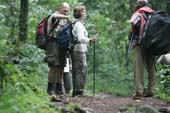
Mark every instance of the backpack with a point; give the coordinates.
(65, 38)
(156, 35)
(41, 33)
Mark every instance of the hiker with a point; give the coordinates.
(141, 57)
(80, 50)
(55, 56)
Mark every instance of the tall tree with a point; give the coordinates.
(23, 20)
(12, 7)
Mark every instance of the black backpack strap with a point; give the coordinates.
(145, 16)
(73, 23)
(55, 25)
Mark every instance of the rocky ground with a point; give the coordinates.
(113, 104)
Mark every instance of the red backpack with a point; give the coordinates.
(41, 33)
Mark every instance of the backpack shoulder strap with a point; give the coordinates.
(145, 16)
(76, 21)
(73, 23)
(75, 38)
(55, 25)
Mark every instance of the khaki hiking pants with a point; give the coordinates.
(79, 71)
(142, 59)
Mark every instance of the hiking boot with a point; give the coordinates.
(60, 98)
(149, 95)
(59, 89)
(56, 98)
(65, 98)
(77, 93)
(49, 88)
(137, 96)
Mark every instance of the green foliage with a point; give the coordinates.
(163, 86)
(26, 103)
(26, 80)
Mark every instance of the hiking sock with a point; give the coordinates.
(49, 88)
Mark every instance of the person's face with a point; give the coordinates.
(83, 14)
(64, 10)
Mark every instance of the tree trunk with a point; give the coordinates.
(23, 20)
(12, 21)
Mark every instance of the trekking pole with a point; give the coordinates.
(130, 44)
(94, 66)
(129, 47)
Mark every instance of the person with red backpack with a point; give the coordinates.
(141, 57)
(56, 56)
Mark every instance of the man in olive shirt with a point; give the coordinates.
(55, 55)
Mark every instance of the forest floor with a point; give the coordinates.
(111, 104)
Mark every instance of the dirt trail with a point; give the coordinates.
(111, 104)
